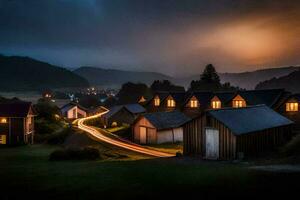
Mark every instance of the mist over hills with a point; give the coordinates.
(24, 74)
(113, 77)
(246, 80)
(290, 82)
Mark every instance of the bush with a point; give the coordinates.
(178, 154)
(43, 126)
(86, 153)
(53, 138)
(59, 137)
(293, 147)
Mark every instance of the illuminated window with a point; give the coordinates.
(292, 107)
(2, 139)
(3, 120)
(193, 103)
(171, 103)
(156, 101)
(142, 100)
(216, 104)
(238, 103)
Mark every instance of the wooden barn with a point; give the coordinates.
(122, 114)
(16, 123)
(159, 127)
(234, 133)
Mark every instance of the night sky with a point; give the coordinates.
(176, 37)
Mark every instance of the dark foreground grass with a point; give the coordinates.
(26, 172)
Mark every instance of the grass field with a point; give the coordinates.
(26, 172)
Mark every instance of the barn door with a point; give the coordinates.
(212, 143)
(143, 135)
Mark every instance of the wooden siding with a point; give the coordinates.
(259, 142)
(251, 144)
(151, 130)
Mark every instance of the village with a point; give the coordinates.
(237, 126)
(149, 99)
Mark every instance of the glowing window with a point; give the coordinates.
(3, 120)
(193, 103)
(292, 107)
(171, 103)
(238, 103)
(216, 104)
(156, 102)
(2, 139)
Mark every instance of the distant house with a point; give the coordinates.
(73, 111)
(232, 133)
(122, 114)
(16, 123)
(159, 127)
(290, 109)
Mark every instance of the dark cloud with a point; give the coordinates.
(169, 36)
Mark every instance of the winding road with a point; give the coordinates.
(117, 142)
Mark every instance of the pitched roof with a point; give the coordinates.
(135, 108)
(132, 108)
(249, 119)
(70, 105)
(15, 109)
(166, 120)
(203, 97)
(267, 97)
(224, 96)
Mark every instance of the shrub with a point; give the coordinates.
(53, 137)
(59, 137)
(178, 154)
(86, 153)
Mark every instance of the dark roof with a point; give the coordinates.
(132, 108)
(203, 98)
(267, 97)
(113, 110)
(135, 108)
(295, 96)
(166, 120)
(15, 109)
(70, 105)
(179, 97)
(224, 96)
(249, 119)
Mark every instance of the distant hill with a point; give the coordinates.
(290, 82)
(247, 80)
(111, 77)
(24, 74)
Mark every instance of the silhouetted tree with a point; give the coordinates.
(131, 92)
(165, 85)
(210, 81)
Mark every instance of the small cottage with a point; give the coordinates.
(233, 133)
(73, 111)
(159, 127)
(122, 115)
(16, 123)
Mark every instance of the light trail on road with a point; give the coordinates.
(126, 145)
